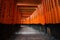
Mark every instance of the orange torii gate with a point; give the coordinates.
(51, 10)
(37, 17)
(47, 13)
(50, 13)
(8, 12)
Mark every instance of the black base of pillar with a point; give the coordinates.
(7, 30)
(55, 30)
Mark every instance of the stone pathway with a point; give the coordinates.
(29, 33)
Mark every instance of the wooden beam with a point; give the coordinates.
(19, 4)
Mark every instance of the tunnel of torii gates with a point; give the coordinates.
(48, 12)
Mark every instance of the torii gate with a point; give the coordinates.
(51, 10)
(37, 17)
(47, 13)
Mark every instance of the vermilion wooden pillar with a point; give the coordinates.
(51, 11)
(9, 14)
(0, 11)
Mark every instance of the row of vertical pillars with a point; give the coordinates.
(51, 11)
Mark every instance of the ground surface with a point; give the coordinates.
(29, 33)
